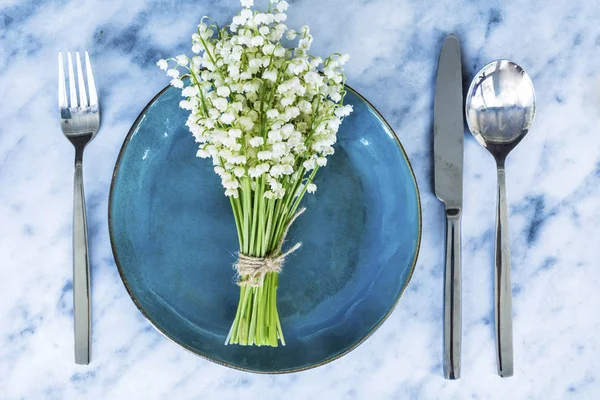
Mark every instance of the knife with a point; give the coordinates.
(448, 137)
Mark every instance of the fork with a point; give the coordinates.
(79, 120)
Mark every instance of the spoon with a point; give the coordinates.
(500, 108)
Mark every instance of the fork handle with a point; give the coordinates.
(81, 269)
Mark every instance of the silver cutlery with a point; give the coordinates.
(448, 137)
(500, 108)
(79, 120)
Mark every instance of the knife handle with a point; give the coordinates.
(452, 306)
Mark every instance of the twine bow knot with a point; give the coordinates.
(254, 269)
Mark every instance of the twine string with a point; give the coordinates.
(256, 268)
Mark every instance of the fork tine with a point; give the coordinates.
(72, 89)
(82, 96)
(91, 83)
(62, 89)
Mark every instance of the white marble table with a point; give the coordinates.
(553, 191)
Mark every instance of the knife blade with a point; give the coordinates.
(448, 140)
(448, 134)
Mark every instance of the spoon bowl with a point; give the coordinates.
(500, 107)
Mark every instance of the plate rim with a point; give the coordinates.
(206, 356)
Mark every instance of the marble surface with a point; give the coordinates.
(553, 192)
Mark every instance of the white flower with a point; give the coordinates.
(209, 123)
(234, 71)
(227, 118)
(313, 78)
(305, 107)
(223, 91)
(287, 100)
(237, 160)
(257, 141)
(190, 91)
(264, 155)
(182, 60)
(334, 124)
(335, 96)
(255, 63)
(282, 6)
(178, 83)
(274, 136)
(321, 161)
(288, 169)
(257, 41)
(213, 113)
(246, 123)
(315, 62)
(290, 35)
(231, 193)
(305, 43)
(291, 112)
(268, 48)
(279, 51)
(273, 113)
(219, 170)
(270, 75)
(247, 3)
(263, 30)
(173, 73)
(276, 171)
(246, 14)
(220, 103)
(239, 171)
(310, 164)
(311, 188)
(186, 105)
(206, 34)
(230, 183)
(343, 111)
(264, 167)
(251, 87)
(277, 33)
(235, 133)
(279, 148)
(162, 64)
(263, 18)
(239, 20)
(254, 172)
(280, 17)
(202, 153)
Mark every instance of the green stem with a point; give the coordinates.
(254, 313)
(254, 227)
(237, 218)
(247, 208)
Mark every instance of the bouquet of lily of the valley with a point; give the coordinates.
(268, 118)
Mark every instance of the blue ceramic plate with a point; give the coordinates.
(174, 241)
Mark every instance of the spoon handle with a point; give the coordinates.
(502, 285)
